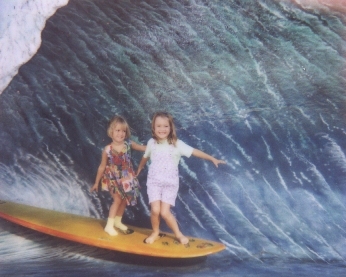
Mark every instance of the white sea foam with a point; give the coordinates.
(270, 128)
(238, 146)
(41, 180)
(282, 181)
(212, 200)
(263, 74)
(247, 123)
(322, 182)
(316, 254)
(191, 213)
(187, 169)
(277, 13)
(294, 218)
(311, 199)
(287, 158)
(305, 115)
(265, 219)
(21, 24)
(297, 178)
(240, 215)
(305, 178)
(336, 153)
(269, 155)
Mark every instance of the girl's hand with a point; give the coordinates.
(138, 171)
(141, 165)
(217, 162)
(94, 187)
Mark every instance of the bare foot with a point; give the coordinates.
(154, 236)
(183, 240)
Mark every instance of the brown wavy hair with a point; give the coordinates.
(118, 120)
(172, 136)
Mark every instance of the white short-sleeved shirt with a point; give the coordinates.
(181, 149)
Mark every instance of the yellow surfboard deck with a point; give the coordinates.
(90, 231)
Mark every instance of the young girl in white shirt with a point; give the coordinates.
(165, 151)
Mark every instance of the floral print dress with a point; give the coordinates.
(119, 176)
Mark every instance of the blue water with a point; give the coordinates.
(260, 84)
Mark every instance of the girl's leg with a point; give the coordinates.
(119, 215)
(155, 221)
(112, 213)
(172, 223)
(115, 205)
(121, 207)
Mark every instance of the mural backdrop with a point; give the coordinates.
(260, 84)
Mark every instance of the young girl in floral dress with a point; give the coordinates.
(116, 173)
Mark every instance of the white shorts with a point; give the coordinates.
(164, 192)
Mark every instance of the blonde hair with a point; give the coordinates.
(172, 136)
(115, 120)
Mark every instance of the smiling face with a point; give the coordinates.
(118, 133)
(162, 128)
(116, 127)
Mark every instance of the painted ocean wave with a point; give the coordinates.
(259, 84)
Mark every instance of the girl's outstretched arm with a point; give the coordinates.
(141, 165)
(100, 171)
(137, 146)
(200, 154)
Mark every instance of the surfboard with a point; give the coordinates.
(90, 231)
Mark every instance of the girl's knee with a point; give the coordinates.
(155, 211)
(165, 211)
(166, 214)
